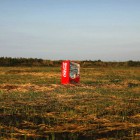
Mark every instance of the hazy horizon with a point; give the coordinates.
(70, 29)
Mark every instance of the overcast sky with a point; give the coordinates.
(70, 29)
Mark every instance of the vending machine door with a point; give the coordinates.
(74, 72)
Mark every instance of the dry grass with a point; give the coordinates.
(26, 87)
(34, 105)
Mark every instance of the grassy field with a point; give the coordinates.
(105, 105)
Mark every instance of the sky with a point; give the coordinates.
(108, 30)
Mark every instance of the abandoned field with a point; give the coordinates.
(105, 105)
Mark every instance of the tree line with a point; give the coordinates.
(9, 61)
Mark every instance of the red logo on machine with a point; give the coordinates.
(64, 71)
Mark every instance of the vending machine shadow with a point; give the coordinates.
(70, 72)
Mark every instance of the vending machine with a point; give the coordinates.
(70, 72)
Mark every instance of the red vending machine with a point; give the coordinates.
(70, 72)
